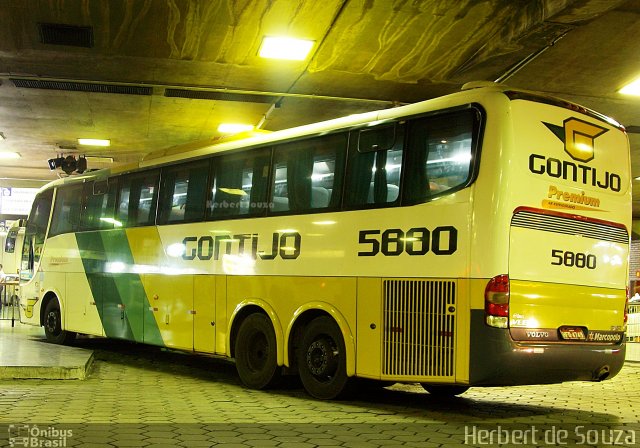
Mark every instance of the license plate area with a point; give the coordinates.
(573, 333)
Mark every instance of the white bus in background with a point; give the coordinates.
(11, 254)
(12, 248)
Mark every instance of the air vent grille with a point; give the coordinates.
(81, 86)
(219, 96)
(569, 226)
(419, 325)
(70, 35)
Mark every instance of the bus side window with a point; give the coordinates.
(308, 174)
(98, 204)
(439, 155)
(137, 198)
(66, 212)
(10, 242)
(374, 166)
(239, 184)
(183, 193)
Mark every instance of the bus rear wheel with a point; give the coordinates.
(53, 325)
(322, 360)
(444, 391)
(256, 352)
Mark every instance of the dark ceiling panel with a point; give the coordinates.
(59, 34)
(219, 96)
(81, 86)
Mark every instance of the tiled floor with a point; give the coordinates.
(136, 395)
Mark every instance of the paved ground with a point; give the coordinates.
(144, 396)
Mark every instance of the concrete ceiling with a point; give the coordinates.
(151, 74)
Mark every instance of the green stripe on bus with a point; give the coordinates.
(122, 302)
(103, 288)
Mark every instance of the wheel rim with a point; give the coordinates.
(258, 352)
(323, 358)
(52, 323)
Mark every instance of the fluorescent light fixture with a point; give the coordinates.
(99, 159)
(633, 88)
(94, 142)
(9, 155)
(285, 48)
(234, 128)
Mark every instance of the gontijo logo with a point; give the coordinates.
(578, 137)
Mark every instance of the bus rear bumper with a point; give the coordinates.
(497, 360)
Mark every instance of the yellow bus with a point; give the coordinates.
(478, 239)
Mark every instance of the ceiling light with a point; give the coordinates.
(99, 159)
(633, 88)
(234, 128)
(285, 48)
(94, 142)
(9, 155)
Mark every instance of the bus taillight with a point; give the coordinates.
(496, 301)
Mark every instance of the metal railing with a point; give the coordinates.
(9, 301)
(633, 323)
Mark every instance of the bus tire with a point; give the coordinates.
(444, 391)
(53, 325)
(322, 361)
(256, 352)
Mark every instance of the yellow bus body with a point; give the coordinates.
(549, 206)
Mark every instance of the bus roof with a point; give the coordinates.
(193, 150)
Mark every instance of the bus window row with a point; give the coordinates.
(391, 164)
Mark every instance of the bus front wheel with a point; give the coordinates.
(53, 325)
(442, 391)
(256, 353)
(321, 359)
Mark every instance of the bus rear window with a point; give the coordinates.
(440, 154)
